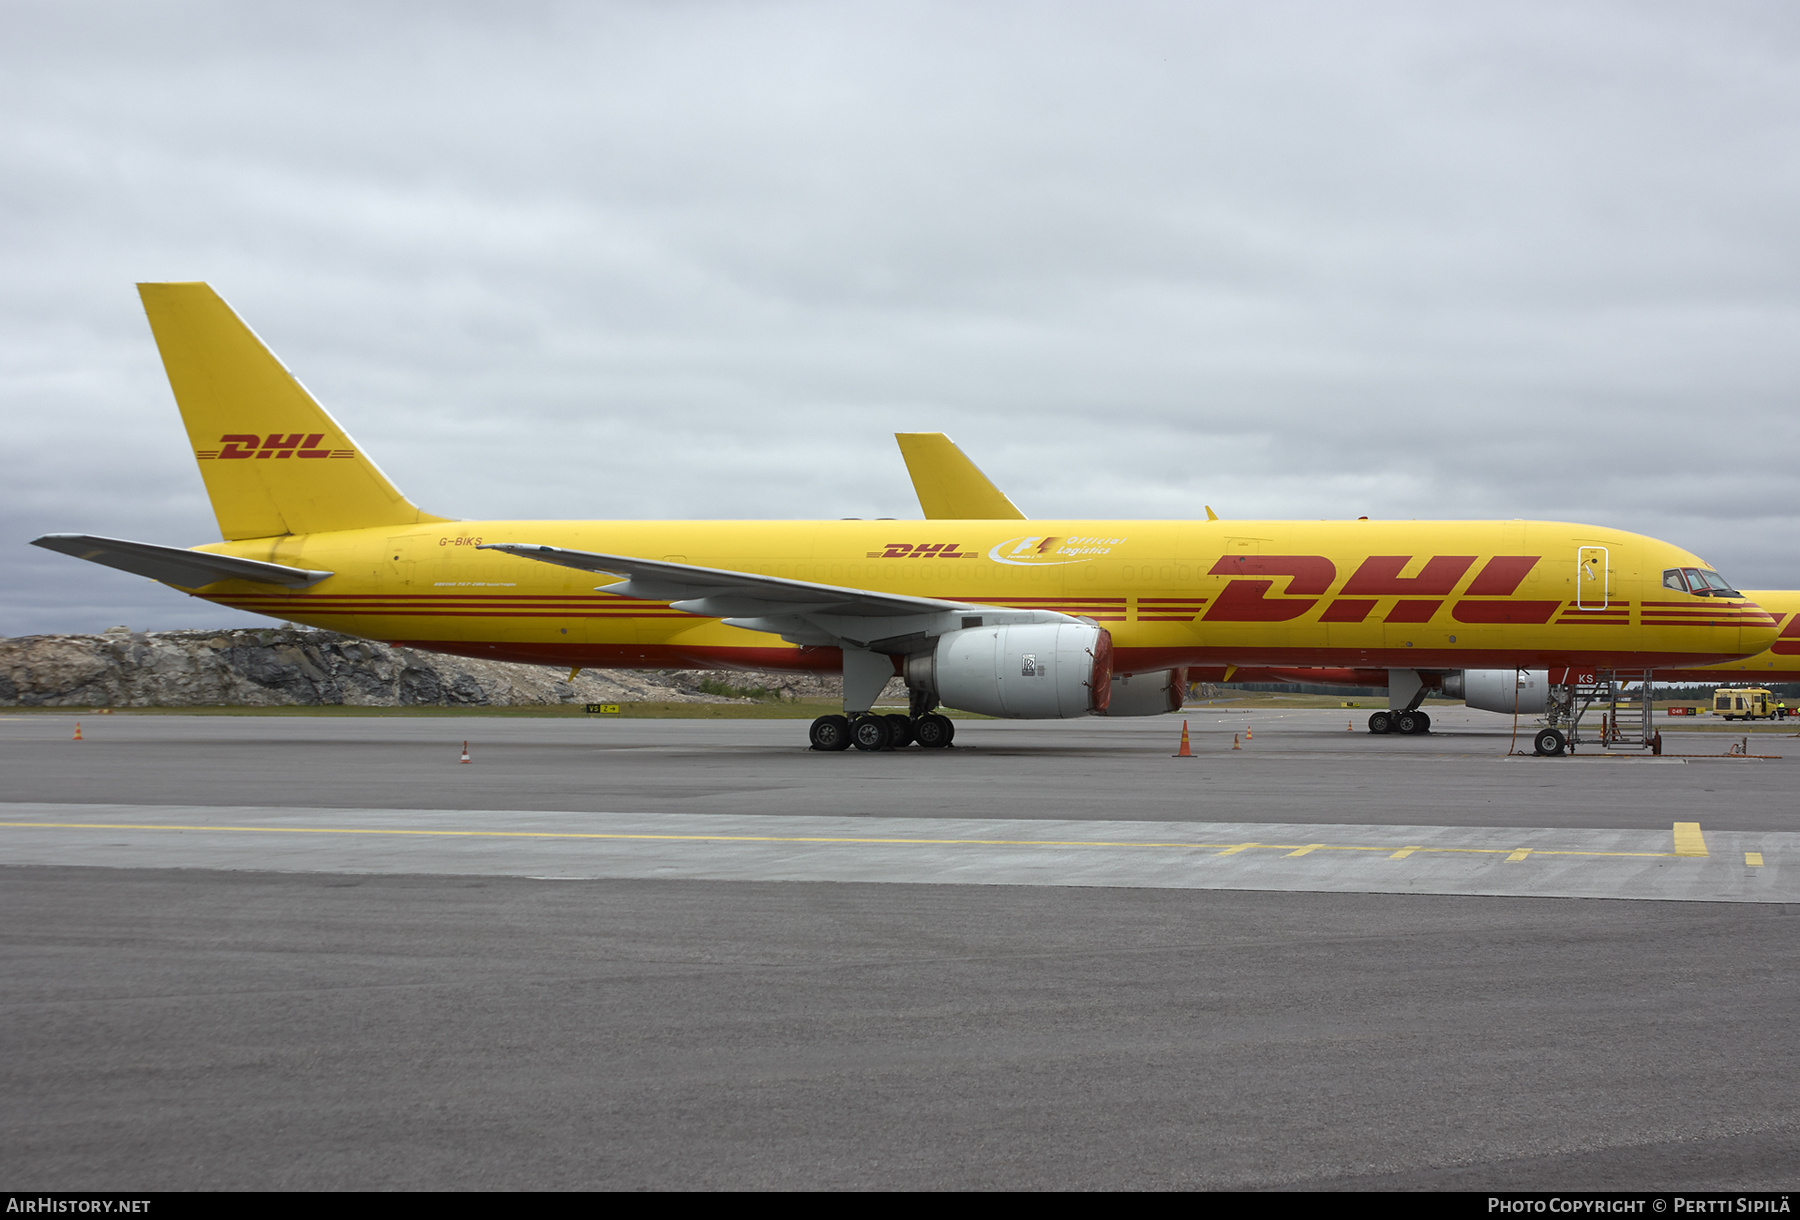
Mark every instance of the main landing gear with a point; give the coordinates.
(1410, 723)
(1407, 689)
(868, 731)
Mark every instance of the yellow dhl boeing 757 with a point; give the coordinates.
(1042, 619)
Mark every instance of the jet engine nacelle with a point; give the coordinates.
(1151, 694)
(1501, 690)
(1028, 671)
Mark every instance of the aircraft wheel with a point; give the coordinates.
(900, 734)
(1381, 722)
(830, 733)
(869, 732)
(1549, 743)
(933, 731)
(1424, 723)
(1407, 723)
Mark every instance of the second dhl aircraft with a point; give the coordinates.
(975, 607)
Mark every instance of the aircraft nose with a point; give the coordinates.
(1757, 635)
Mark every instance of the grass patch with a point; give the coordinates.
(762, 694)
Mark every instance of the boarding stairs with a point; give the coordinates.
(1617, 706)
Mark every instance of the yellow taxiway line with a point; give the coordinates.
(1688, 842)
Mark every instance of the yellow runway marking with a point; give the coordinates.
(583, 834)
(1753, 859)
(1223, 849)
(1688, 841)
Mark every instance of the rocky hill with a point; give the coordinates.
(286, 665)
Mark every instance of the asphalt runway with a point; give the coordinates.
(301, 953)
(1293, 766)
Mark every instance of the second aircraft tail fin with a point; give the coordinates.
(951, 487)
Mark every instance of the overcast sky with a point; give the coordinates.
(702, 260)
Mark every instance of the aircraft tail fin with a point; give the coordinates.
(273, 460)
(951, 487)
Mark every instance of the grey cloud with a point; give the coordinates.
(649, 260)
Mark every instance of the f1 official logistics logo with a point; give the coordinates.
(275, 445)
(1040, 550)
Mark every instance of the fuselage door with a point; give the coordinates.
(1593, 579)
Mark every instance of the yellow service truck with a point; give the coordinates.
(1744, 703)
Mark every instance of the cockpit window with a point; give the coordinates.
(1704, 582)
(1672, 580)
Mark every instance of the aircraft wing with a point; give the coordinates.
(174, 566)
(726, 592)
(800, 611)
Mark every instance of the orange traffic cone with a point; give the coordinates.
(1350, 726)
(78, 730)
(1248, 735)
(1234, 742)
(465, 754)
(1184, 752)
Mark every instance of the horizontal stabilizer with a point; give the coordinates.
(174, 566)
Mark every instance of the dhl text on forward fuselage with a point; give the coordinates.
(1172, 593)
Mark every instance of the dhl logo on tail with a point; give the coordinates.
(274, 445)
